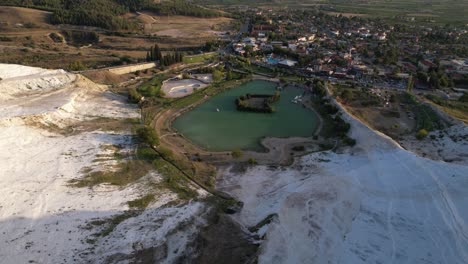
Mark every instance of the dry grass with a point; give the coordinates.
(100, 123)
(19, 15)
(141, 203)
(108, 225)
(104, 77)
(107, 124)
(126, 172)
(182, 26)
(458, 114)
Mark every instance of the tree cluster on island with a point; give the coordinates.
(245, 102)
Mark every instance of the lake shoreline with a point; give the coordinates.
(266, 154)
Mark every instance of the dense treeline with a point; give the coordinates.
(107, 13)
(171, 58)
(180, 7)
(154, 54)
(91, 18)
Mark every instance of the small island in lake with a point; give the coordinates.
(260, 103)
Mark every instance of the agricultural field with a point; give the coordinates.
(445, 11)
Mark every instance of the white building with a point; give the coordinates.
(288, 63)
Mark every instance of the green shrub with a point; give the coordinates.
(146, 153)
(237, 153)
(464, 98)
(422, 133)
(166, 153)
(148, 135)
(134, 96)
(298, 148)
(347, 95)
(217, 75)
(56, 37)
(251, 161)
(349, 141)
(76, 66)
(142, 202)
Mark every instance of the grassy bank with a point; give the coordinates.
(457, 109)
(199, 58)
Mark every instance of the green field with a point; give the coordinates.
(444, 11)
(199, 58)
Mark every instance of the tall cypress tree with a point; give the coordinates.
(152, 53)
(157, 53)
(181, 56)
(178, 56)
(148, 57)
(173, 58)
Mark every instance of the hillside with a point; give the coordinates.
(28, 37)
(56, 128)
(15, 15)
(108, 13)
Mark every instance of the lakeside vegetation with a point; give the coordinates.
(333, 124)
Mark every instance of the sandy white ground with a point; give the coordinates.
(42, 218)
(19, 80)
(176, 88)
(376, 203)
(449, 145)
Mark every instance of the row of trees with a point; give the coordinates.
(155, 54)
(171, 58)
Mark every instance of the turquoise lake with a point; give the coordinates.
(230, 129)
